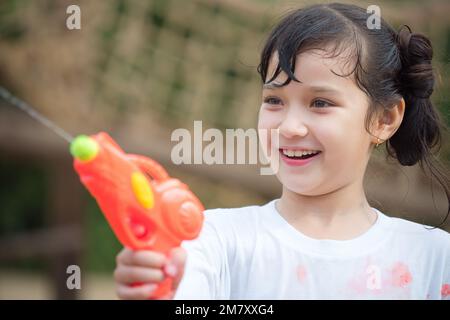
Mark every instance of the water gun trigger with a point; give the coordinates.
(149, 166)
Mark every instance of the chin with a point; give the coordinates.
(294, 184)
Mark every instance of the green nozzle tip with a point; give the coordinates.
(84, 148)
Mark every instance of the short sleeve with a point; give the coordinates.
(206, 269)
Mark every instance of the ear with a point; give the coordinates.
(388, 121)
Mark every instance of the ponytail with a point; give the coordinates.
(419, 131)
(419, 135)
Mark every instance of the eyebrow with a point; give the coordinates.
(324, 89)
(272, 86)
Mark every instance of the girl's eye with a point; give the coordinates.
(272, 100)
(318, 103)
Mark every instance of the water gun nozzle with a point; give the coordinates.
(84, 148)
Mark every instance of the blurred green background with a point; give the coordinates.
(139, 70)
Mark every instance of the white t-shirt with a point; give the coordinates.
(254, 253)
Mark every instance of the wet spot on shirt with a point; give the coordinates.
(357, 285)
(401, 277)
(445, 290)
(301, 273)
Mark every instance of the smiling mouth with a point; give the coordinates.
(298, 156)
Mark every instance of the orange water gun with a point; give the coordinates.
(145, 207)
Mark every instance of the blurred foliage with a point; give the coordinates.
(176, 58)
(20, 182)
(11, 30)
(101, 243)
(22, 197)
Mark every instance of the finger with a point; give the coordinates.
(124, 256)
(175, 266)
(131, 274)
(143, 258)
(146, 258)
(141, 292)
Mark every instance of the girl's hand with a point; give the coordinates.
(147, 268)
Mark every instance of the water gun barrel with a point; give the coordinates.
(145, 207)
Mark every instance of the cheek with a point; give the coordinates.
(267, 122)
(344, 140)
(331, 134)
(267, 119)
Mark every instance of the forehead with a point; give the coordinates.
(317, 66)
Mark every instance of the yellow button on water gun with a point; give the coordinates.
(142, 190)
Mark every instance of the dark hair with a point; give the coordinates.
(389, 65)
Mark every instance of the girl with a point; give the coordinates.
(334, 89)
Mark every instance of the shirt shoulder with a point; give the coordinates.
(235, 227)
(222, 227)
(422, 235)
(226, 219)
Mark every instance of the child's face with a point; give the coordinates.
(324, 112)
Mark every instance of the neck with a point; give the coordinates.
(341, 214)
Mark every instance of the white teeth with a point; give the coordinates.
(298, 153)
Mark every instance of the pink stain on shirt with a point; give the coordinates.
(358, 283)
(301, 273)
(445, 290)
(401, 276)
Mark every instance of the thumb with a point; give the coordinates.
(175, 266)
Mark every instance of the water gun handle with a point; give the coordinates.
(157, 172)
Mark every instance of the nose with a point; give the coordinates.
(293, 125)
